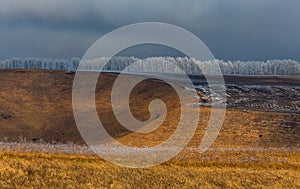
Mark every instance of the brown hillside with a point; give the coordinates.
(37, 104)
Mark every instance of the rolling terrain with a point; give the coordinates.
(257, 145)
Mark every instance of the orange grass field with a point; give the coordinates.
(41, 170)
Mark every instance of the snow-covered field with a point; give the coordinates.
(276, 98)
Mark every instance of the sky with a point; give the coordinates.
(232, 29)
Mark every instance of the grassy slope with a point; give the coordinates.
(39, 106)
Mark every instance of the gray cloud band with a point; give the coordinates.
(89, 70)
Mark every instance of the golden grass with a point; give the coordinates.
(41, 170)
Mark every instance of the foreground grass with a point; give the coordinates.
(41, 170)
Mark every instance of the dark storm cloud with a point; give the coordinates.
(232, 29)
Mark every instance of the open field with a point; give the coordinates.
(40, 170)
(254, 148)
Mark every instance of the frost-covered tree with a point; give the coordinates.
(161, 64)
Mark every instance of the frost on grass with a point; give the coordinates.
(71, 148)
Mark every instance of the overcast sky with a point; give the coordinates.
(232, 29)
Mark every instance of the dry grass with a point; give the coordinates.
(39, 106)
(41, 170)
